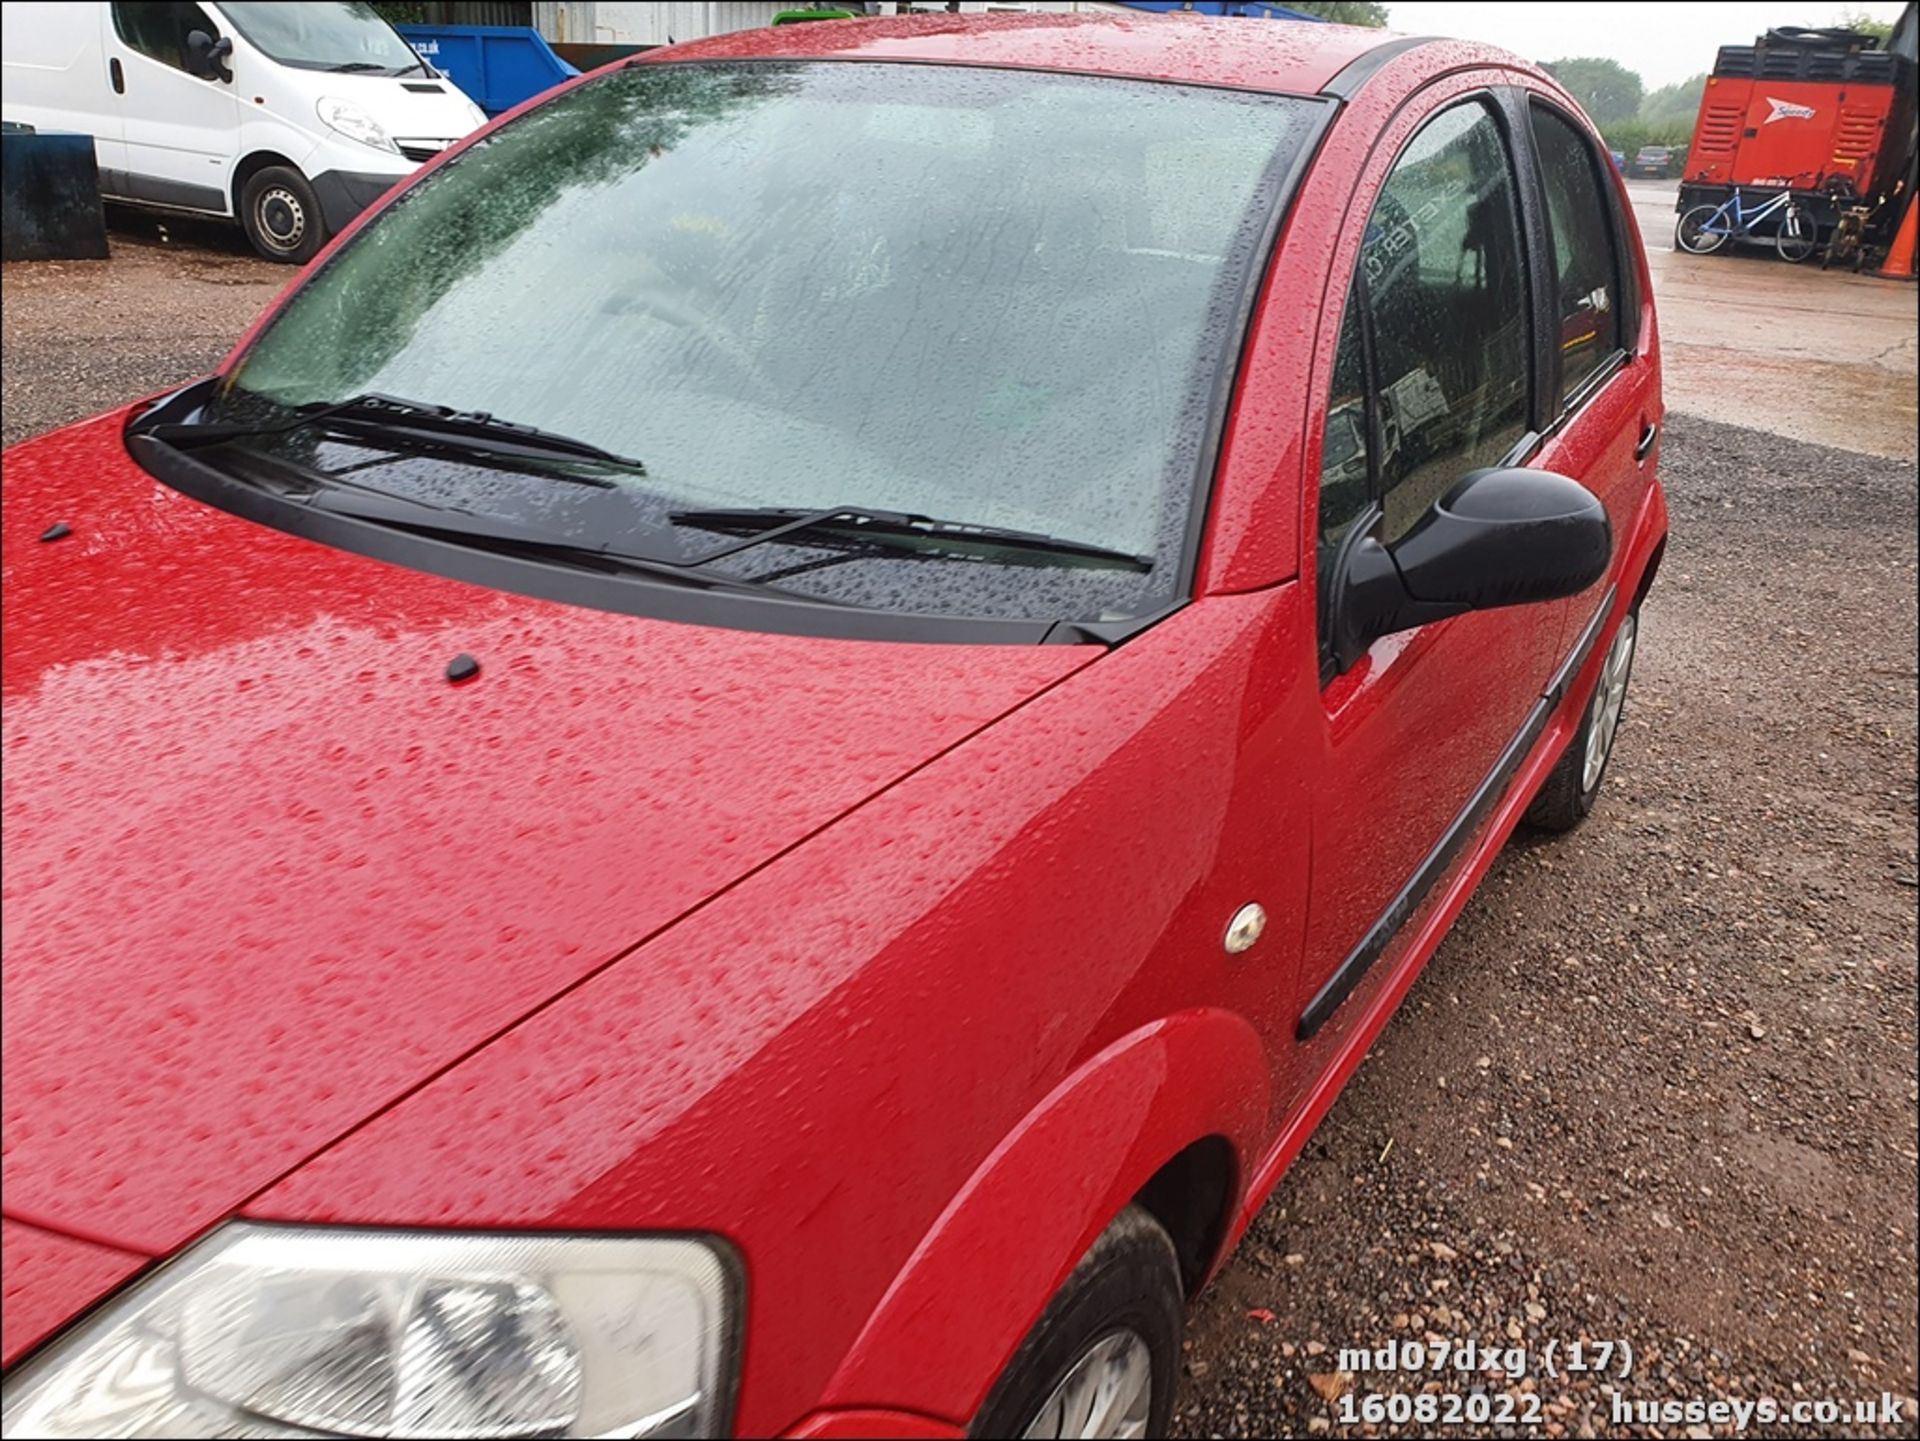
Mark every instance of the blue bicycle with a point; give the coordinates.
(1705, 228)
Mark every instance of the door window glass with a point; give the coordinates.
(160, 30)
(1446, 291)
(1344, 487)
(1585, 266)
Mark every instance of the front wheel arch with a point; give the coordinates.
(251, 165)
(990, 1264)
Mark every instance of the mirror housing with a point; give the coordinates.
(206, 56)
(1499, 537)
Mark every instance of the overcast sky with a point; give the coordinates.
(1661, 40)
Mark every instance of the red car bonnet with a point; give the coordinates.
(268, 868)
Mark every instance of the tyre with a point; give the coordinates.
(1691, 234)
(1798, 236)
(1103, 1358)
(1572, 785)
(282, 215)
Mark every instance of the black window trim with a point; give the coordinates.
(1495, 100)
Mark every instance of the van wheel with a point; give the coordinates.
(1574, 782)
(1102, 1358)
(282, 215)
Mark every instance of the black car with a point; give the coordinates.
(1654, 160)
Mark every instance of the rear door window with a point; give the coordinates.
(1586, 262)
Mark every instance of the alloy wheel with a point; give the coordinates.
(1608, 701)
(1108, 1392)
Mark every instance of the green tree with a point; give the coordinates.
(1342, 12)
(1605, 88)
(1852, 19)
(1679, 101)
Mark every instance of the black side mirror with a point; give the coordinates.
(207, 57)
(1497, 538)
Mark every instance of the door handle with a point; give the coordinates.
(1647, 438)
(118, 76)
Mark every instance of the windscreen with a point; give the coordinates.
(990, 296)
(322, 35)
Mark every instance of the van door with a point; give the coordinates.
(182, 133)
(56, 75)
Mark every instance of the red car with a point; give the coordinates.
(752, 769)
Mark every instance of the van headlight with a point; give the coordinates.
(266, 1330)
(354, 123)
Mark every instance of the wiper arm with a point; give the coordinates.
(892, 529)
(424, 517)
(390, 417)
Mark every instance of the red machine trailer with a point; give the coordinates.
(1825, 113)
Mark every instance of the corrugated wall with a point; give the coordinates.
(610, 22)
(634, 22)
(476, 12)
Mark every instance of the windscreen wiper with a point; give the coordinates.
(899, 530)
(352, 67)
(432, 520)
(388, 417)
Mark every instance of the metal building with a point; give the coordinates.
(618, 22)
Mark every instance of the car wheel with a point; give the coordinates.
(282, 215)
(1572, 785)
(1102, 1359)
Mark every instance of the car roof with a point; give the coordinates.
(1294, 57)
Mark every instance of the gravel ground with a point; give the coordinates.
(1659, 1085)
(81, 336)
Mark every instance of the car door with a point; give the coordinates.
(1437, 346)
(181, 132)
(1601, 420)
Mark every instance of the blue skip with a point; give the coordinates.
(497, 66)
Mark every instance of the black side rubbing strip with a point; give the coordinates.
(1347, 81)
(151, 190)
(1464, 827)
(1577, 657)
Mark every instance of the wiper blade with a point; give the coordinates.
(390, 417)
(350, 67)
(892, 529)
(424, 517)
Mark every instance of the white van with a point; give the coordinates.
(289, 118)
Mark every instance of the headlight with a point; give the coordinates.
(478, 116)
(354, 123)
(297, 1331)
